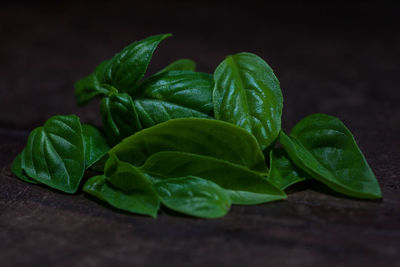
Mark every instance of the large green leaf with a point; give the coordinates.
(16, 169)
(127, 67)
(194, 196)
(247, 93)
(180, 64)
(119, 115)
(283, 172)
(323, 146)
(174, 94)
(55, 153)
(243, 185)
(134, 201)
(205, 137)
(95, 144)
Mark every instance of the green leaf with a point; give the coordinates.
(119, 116)
(95, 144)
(247, 93)
(180, 64)
(323, 146)
(135, 201)
(194, 196)
(152, 112)
(205, 137)
(102, 70)
(283, 172)
(55, 153)
(127, 67)
(174, 94)
(243, 185)
(87, 88)
(16, 169)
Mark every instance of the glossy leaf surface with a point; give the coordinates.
(174, 94)
(16, 169)
(283, 172)
(119, 116)
(55, 153)
(95, 144)
(127, 67)
(135, 201)
(180, 64)
(323, 146)
(216, 139)
(247, 93)
(194, 196)
(243, 185)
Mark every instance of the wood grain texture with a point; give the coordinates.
(347, 69)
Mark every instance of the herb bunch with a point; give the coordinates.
(194, 142)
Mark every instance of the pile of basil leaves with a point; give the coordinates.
(194, 142)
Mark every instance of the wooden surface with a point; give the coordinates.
(343, 61)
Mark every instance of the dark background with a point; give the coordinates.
(338, 57)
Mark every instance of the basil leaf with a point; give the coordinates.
(283, 172)
(152, 112)
(119, 116)
(205, 137)
(127, 67)
(95, 144)
(323, 146)
(186, 88)
(55, 155)
(180, 64)
(243, 185)
(174, 94)
(102, 70)
(135, 201)
(88, 88)
(16, 169)
(247, 93)
(194, 196)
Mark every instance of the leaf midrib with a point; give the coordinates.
(235, 67)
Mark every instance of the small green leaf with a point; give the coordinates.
(17, 170)
(119, 115)
(212, 138)
(247, 93)
(323, 146)
(95, 144)
(194, 196)
(152, 112)
(127, 67)
(243, 185)
(102, 70)
(55, 155)
(87, 88)
(174, 94)
(283, 172)
(180, 64)
(135, 201)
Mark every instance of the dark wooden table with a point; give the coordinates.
(341, 60)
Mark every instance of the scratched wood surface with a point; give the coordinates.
(340, 61)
